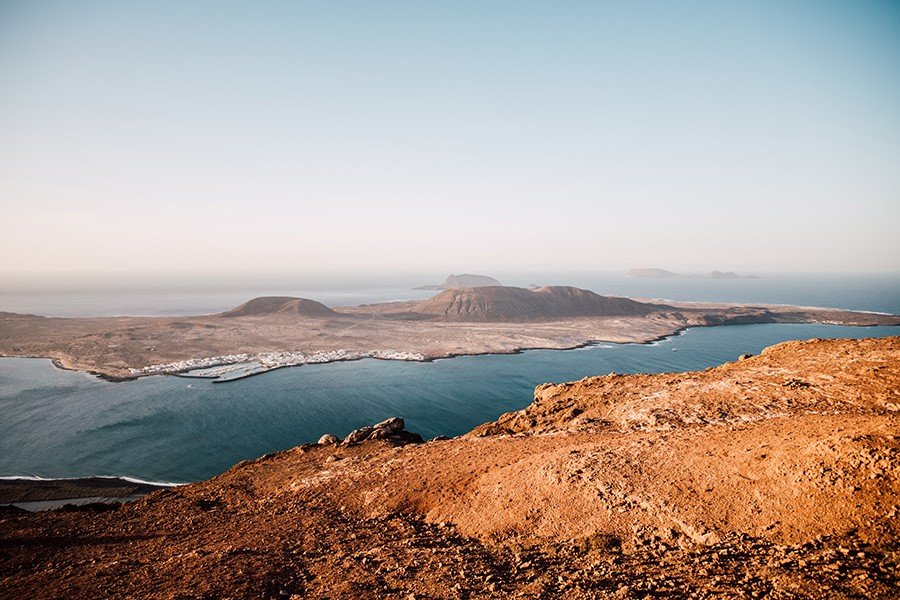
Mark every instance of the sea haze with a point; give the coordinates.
(879, 293)
(56, 423)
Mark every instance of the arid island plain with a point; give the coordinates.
(273, 332)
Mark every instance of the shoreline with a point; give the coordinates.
(31, 493)
(31, 483)
(111, 478)
(256, 338)
(602, 468)
(57, 363)
(426, 359)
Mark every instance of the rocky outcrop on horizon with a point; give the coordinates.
(462, 280)
(664, 274)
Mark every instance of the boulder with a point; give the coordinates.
(391, 430)
(392, 425)
(328, 439)
(406, 437)
(380, 434)
(358, 435)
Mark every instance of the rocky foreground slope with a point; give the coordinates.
(773, 476)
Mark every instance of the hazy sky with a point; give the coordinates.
(340, 136)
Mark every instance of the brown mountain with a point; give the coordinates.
(286, 305)
(503, 303)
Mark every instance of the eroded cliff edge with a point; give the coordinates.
(773, 475)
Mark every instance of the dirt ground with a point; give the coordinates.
(775, 476)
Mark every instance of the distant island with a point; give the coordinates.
(462, 280)
(663, 274)
(271, 332)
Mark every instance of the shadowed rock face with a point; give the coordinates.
(502, 303)
(285, 305)
(390, 430)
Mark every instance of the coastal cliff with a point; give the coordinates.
(777, 474)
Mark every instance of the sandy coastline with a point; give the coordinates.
(125, 348)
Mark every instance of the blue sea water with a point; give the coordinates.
(56, 423)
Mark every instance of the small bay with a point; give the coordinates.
(56, 423)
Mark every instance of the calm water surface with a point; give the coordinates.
(57, 423)
(858, 292)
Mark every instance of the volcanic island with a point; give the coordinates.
(273, 332)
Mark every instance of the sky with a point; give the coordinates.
(145, 139)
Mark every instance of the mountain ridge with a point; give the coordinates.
(507, 303)
(269, 305)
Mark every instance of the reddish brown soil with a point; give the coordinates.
(774, 476)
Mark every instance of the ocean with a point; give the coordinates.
(56, 423)
(880, 293)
